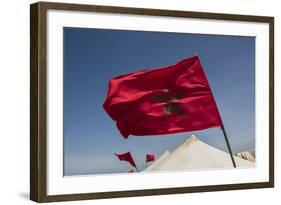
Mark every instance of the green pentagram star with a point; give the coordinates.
(170, 102)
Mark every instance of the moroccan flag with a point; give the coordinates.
(150, 157)
(126, 157)
(160, 101)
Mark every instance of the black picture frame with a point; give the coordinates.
(38, 100)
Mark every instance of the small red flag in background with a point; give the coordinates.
(150, 157)
(127, 157)
(168, 100)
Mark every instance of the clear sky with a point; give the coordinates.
(93, 56)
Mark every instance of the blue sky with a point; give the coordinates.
(93, 56)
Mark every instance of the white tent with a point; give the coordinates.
(158, 161)
(194, 154)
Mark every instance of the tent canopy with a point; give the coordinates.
(194, 154)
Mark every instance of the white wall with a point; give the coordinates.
(14, 101)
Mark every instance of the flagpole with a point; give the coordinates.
(228, 146)
(225, 137)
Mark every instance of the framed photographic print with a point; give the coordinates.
(135, 102)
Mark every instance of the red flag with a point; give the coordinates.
(126, 157)
(150, 157)
(168, 100)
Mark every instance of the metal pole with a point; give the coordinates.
(228, 146)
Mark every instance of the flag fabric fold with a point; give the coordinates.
(161, 101)
(150, 157)
(127, 157)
